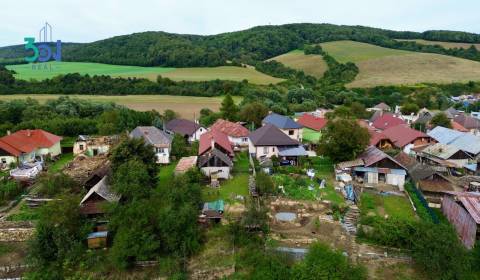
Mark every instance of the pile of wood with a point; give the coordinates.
(82, 167)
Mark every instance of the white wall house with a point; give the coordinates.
(160, 141)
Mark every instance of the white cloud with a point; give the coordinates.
(89, 20)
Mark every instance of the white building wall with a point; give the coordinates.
(6, 161)
(297, 133)
(197, 134)
(221, 172)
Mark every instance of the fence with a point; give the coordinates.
(423, 203)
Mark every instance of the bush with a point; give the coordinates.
(54, 184)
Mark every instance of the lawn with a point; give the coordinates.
(310, 135)
(384, 66)
(241, 164)
(187, 106)
(311, 64)
(233, 73)
(25, 213)
(238, 185)
(60, 163)
(381, 205)
(324, 169)
(166, 173)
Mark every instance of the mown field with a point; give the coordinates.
(26, 72)
(311, 64)
(383, 66)
(447, 45)
(187, 106)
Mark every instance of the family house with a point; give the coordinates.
(406, 138)
(286, 125)
(93, 145)
(188, 129)
(468, 122)
(268, 141)
(387, 120)
(442, 152)
(463, 141)
(432, 183)
(160, 141)
(376, 167)
(237, 133)
(312, 127)
(377, 139)
(215, 155)
(25, 146)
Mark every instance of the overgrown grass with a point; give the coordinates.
(25, 214)
(60, 163)
(241, 164)
(393, 206)
(166, 173)
(238, 185)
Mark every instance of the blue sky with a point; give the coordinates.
(89, 20)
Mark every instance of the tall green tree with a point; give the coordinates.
(229, 109)
(440, 119)
(134, 149)
(343, 140)
(253, 113)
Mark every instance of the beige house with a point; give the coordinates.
(288, 126)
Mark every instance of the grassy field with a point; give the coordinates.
(186, 106)
(310, 64)
(447, 45)
(393, 206)
(382, 66)
(26, 72)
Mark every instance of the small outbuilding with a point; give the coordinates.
(185, 164)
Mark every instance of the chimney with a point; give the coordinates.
(29, 132)
(9, 132)
(212, 143)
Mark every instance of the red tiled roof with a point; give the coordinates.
(401, 135)
(26, 141)
(376, 137)
(387, 120)
(230, 128)
(458, 127)
(312, 122)
(218, 137)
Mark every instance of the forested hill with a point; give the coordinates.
(247, 46)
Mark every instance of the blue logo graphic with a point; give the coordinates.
(43, 52)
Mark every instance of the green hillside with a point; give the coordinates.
(383, 66)
(310, 64)
(26, 72)
(447, 45)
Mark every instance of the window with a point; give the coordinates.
(4, 160)
(273, 149)
(159, 150)
(81, 147)
(291, 132)
(245, 139)
(265, 150)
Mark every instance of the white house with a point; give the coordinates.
(160, 141)
(188, 129)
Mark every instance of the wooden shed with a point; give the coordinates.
(97, 240)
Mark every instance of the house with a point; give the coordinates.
(185, 164)
(188, 129)
(433, 184)
(458, 127)
(237, 133)
(451, 113)
(462, 209)
(25, 146)
(377, 138)
(470, 123)
(92, 203)
(444, 152)
(268, 141)
(286, 125)
(160, 140)
(312, 127)
(406, 138)
(215, 155)
(93, 145)
(464, 141)
(387, 120)
(374, 166)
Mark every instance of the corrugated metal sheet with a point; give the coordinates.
(464, 224)
(463, 141)
(472, 204)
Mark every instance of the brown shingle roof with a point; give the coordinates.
(230, 128)
(182, 126)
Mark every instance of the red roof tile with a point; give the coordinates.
(387, 120)
(376, 137)
(401, 135)
(219, 138)
(312, 122)
(230, 128)
(26, 141)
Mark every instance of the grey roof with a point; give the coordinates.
(103, 190)
(270, 135)
(462, 140)
(440, 150)
(151, 135)
(382, 106)
(281, 122)
(292, 151)
(467, 121)
(416, 170)
(376, 115)
(214, 153)
(373, 155)
(451, 113)
(182, 126)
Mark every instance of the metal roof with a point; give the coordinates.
(97, 234)
(440, 150)
(151, 135)
(281, 122)
(103, 190)
(291, 151)
(462, 140)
